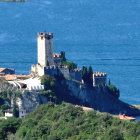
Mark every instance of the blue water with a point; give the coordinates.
(104, 34)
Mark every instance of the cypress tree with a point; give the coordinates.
(84, 74)
(109, 82)
(90, 76)
(63, 56)
(87, 75)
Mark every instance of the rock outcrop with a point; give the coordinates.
(31, 100)
(100, 99)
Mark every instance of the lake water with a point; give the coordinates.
(137, 118)
(104, 34)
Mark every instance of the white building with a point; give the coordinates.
(28, 84)
(33, 84)
(9, 113)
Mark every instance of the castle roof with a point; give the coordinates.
(2, 69)
(11, 77)
(48, 35)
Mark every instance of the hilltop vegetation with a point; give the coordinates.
(66, 122)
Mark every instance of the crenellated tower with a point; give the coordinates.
(45, 52)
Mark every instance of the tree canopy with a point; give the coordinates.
(70, 65)
(65, 121)
(87, 75)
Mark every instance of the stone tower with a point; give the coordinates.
(45, 53)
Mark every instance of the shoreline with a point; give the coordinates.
(137, 106)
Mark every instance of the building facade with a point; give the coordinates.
(9, 113)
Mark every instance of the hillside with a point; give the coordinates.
(59, 122)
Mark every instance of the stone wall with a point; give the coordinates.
(31, 100)
(100, 99)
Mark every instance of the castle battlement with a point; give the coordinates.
(45, 50)
(64, 67)
(57, 55)
(76, 70)
(44, 35)
(99, 78)
(51, 63)
(99, 74)
(50, 67)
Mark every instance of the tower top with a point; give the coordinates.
(46, 35)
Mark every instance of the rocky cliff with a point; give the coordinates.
(100, 99)
(31, 100)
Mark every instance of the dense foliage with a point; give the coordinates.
(63, 56)
(61, 122)
(70, 65)
(48, 82)
(9, 127)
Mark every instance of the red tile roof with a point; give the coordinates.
(2, 69)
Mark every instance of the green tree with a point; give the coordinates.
(90, 76)
(49, 88)
(87, 75)
(113, 134)
(8, 126)
(109, 82)
(84, 73)
(65, 121)
(48, 82)
(63, 57)
(70, 65)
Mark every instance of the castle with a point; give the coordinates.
(51, 64)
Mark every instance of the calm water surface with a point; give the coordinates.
(104, 34)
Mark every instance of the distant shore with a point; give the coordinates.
(137, 106)
(12, 0)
